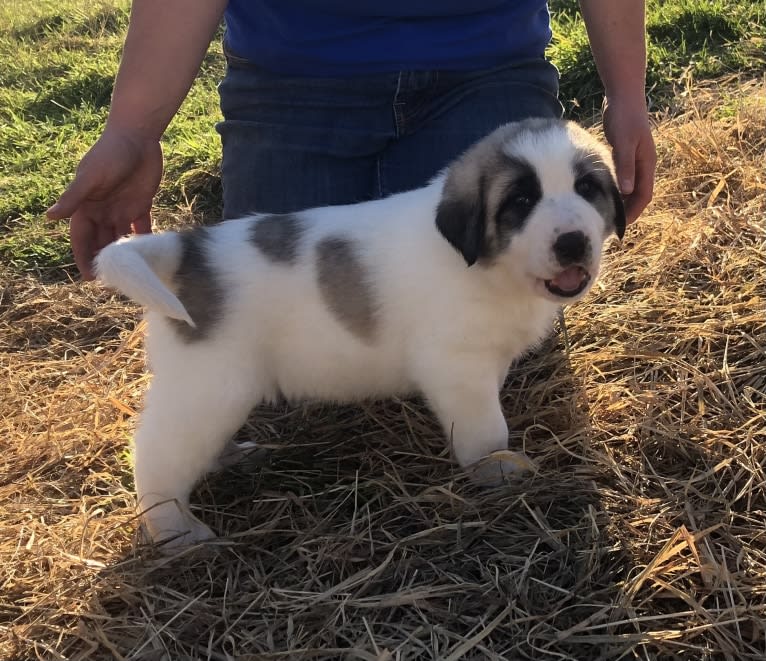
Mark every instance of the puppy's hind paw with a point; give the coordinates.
(493, 469)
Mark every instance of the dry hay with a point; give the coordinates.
(642, 536)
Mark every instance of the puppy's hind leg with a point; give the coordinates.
(193, 407)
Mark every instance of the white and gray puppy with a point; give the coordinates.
(434, 291)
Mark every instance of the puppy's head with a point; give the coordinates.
(535, 199)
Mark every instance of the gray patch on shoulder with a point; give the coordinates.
(345, 286)
(198, 287)
(278, 236)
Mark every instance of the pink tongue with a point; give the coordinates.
(569, 279)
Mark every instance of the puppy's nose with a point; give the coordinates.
(571, 248)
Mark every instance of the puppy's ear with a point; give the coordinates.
(619, 212)
(461, 218)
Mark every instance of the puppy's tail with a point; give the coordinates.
(140, 266)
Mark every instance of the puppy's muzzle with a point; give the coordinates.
(572, 251)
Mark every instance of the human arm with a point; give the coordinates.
(617, 34)
(118, 177)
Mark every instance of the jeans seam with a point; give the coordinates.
(379, 173)
(397, 107)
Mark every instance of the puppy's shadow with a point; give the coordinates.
(351, 513)
(319, 464)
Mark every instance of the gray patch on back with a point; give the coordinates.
(345, 286)
(199, 287)
(278, 236)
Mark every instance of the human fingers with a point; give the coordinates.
(105, 234)
(82, 232)
(88, 236)
(68, 202)
(624, 152)
(643, 192)
(143, 224)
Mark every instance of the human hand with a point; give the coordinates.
(111, 194)
(627, 128)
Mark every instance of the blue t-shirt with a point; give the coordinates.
(330, 38)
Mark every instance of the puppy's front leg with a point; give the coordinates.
(470, 412)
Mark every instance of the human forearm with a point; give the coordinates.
(164, 47)
(116, 180)
(617, 35)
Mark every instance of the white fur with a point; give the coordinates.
(443, 329)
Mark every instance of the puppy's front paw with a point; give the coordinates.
(171, 526)
(492, 470)
(170, 540)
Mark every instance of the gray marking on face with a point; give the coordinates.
(519, 195)
(345, 286)
(198, 287)
(595, 183)
(278, 236)
(488, 195)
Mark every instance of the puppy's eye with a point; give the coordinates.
(520, 201)
(587, 187)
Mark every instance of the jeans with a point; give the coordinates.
(294, 143)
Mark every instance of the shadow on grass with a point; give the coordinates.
(42, 29)
(107, 21)
(701, 29)
(69, 95)
(355, 532)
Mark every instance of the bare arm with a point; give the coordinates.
(617, 40)
(164, 47)
(112, 192)
(617, 34)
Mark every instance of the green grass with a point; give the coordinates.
(696, 39)
(58, 61)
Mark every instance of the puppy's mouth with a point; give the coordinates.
(570, 282)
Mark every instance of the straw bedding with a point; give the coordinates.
(351, 535)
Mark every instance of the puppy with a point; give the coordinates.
(434, 291)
